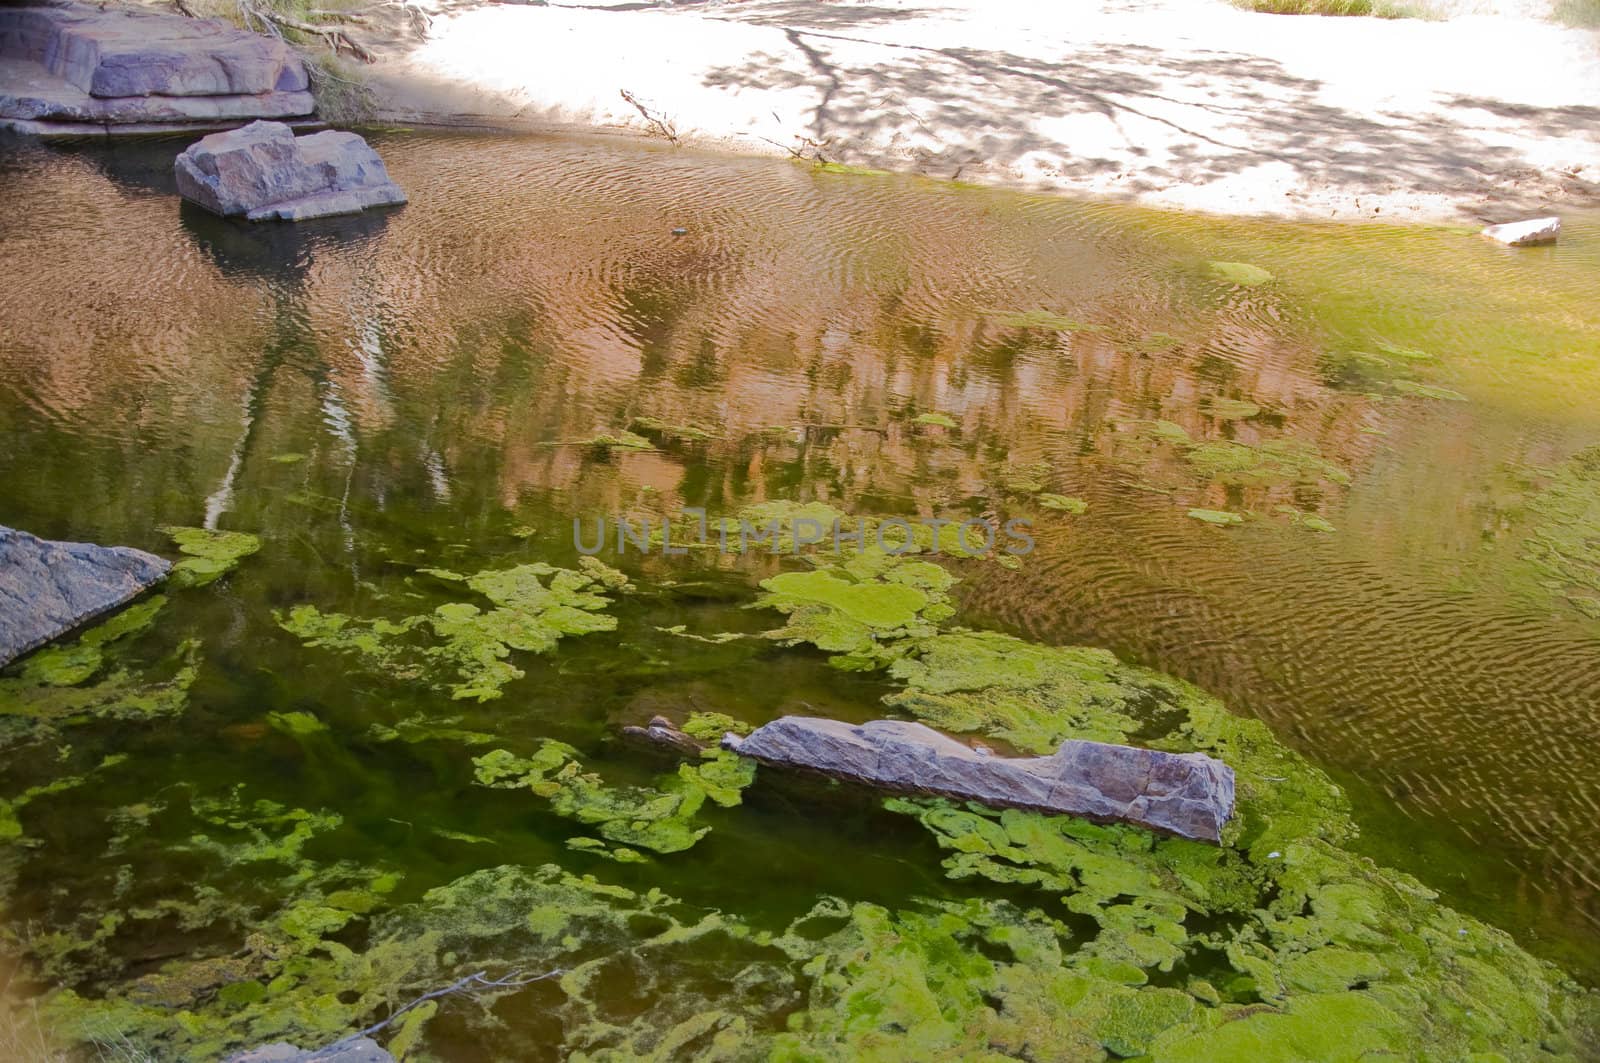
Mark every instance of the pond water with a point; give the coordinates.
(1399, 415)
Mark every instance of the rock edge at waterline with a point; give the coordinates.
(48, 588)
(1525, 233)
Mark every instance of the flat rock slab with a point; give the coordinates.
(78, 63)
(263, 172)
(357, 1050)
(118, 52)
(48, 588)
(1186, 794)
(1525, 233)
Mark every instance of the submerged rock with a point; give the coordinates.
(663, 733)
(1525, 233)
(355, 1050)
(263, 171)
(1187, 794)
(67, 63)
(48, 588)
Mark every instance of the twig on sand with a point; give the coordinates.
(658, 122)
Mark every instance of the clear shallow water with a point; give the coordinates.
(374, 394)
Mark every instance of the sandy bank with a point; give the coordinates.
(1183, 103)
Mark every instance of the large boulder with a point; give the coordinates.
(1186, 794)
(263, 171)
(48, 588)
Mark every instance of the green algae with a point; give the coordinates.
(1040, 319)
(673, 433)
(1419, 390)
(427, 728)
(1226, 409)
(84, 680)
(256, 831)
(1026, 695)
(1063, 503)
(848, 170)
(1220, 517)
(711, 726)
(936, 420)
(536, 605)
(1387, 368)
(296, 724)
(209, 554)
(1111, 942)
(660, 818)
(1240, 273)
(1562, 548)
(860, 610)
(1230, 462)
(617, 440)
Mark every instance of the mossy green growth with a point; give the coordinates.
(1289, 946)
(673, 433)
(1226, 409)
(1385, 367)
(209, 554)
(84, 680)
(535, 605)
(711, 726)
(1029, 696)
(1563, 548)
(862, 609)
(1040, 319)
(1063, 503)
(1221, 517)
(256, 831)
(1226, 461)
(1241, 273)
(423, 728)
(617, 440)
(659, 819)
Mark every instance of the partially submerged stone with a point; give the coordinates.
(1525, 233)
(664, 734)
(263, 172)
(1188, 794)
(48, 588)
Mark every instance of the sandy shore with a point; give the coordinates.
(1180, 103)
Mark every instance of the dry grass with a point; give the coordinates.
(1584, 14)
(1368, 8)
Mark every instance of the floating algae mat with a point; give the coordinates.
(1110, 942)
(453, 501)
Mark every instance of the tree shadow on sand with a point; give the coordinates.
(1097, 113)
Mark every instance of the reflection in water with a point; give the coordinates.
(380, 390)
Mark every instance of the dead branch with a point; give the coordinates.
(472, 983)
(273, 23)
(657, 121)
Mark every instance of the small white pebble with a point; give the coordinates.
(1274, 855)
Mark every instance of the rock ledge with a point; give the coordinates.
(1186, 794)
